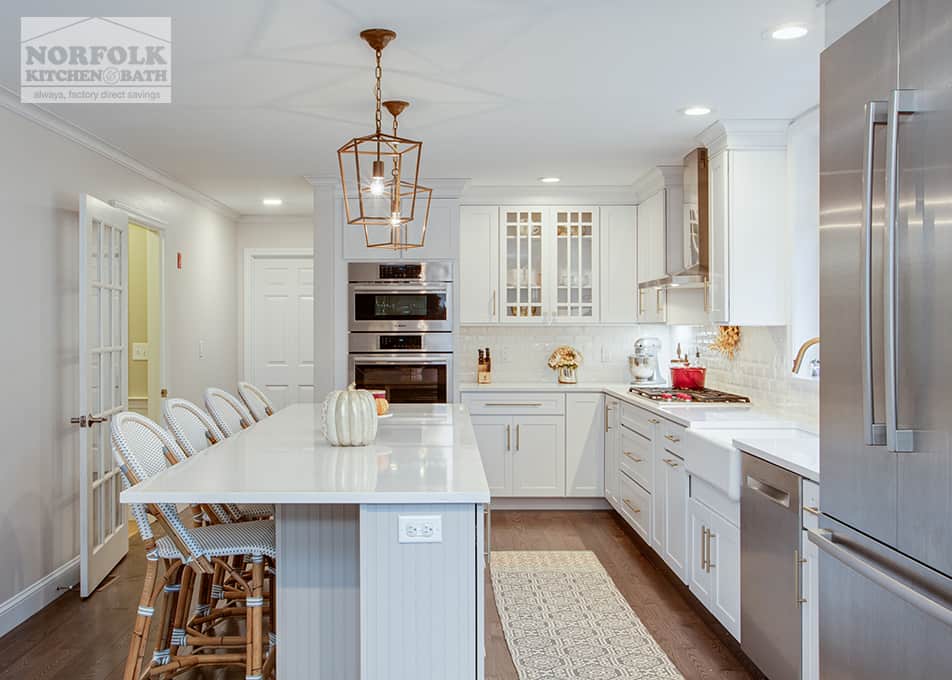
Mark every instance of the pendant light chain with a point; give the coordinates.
(378, 72)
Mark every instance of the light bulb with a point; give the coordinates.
(376, 186)
(395, 219)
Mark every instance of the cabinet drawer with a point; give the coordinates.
(634, 505)
(811, 504)
(671, 437)
(515, 403)
(641, 421)
(635, 457)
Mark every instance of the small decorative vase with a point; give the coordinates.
(567, 375)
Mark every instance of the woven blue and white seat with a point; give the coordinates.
(229, 413)
(195, 431)
(256, 401)
(142, 449)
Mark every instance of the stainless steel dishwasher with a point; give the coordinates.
(770, 568)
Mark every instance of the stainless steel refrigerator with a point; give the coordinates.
(886, 328)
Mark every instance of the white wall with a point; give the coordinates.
(843, 15)
(266, 231)
(43, 174)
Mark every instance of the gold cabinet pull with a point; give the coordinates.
(799, 561)
(703, 548)
(494, 303)
(658, 303)
(641, 301)
(670, 461)
(653, 421)
(508, 441)
(813, 511)
(707, 297)
(632, 507)
(637, 459)
(672, 438)
(710, 565)
(517, 436)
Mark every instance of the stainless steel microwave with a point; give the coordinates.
(400, 297)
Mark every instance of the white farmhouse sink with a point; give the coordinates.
(710, 453)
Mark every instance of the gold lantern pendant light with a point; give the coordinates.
(382, 204)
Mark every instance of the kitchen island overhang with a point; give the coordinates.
(354, 598)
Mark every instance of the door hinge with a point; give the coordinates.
(164, 393)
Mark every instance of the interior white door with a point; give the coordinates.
(280, 343)
(103, 385)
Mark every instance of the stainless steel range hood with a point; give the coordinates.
(691, 234)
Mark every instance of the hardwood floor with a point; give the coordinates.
(76, 640)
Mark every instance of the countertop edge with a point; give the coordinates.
(778, 460)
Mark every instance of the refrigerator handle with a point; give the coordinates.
(900, 102)
(873, 433)
(824, 539)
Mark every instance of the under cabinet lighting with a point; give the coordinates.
(271, 201)
(549, 180)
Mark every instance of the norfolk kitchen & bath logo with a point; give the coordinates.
(96, 60)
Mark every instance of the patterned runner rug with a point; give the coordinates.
(564, 619)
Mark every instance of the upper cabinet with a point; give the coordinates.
(618, 273)
(747, 241)
(651, 237)
(479, 264)
(547, 264)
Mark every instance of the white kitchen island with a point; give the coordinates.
(355, 601)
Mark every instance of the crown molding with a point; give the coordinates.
(548, 195)
(10, 101)
(658, 178)
(744, 134)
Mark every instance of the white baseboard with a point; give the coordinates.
(28, 602)
(506, 503)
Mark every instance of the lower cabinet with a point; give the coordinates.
(586, 425)
(522, 455)
(610, 464)
(714, 564)
(670, 511)
(635, 505)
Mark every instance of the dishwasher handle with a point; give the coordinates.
(768, 491)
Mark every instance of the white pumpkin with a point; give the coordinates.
(350, 417)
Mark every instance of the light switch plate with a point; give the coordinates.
(140, 351)
(421, 528)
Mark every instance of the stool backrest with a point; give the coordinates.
(193, 429)
(256, 401)
(143, 449)
(229, 413)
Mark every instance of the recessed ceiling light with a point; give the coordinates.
(271, 201)
(697, 111)
(789, 32)
(549, 180)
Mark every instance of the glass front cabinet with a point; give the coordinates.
(549, 257)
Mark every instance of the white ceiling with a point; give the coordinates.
(502, 92)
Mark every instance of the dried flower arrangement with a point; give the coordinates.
(565, 360)
(727, 341)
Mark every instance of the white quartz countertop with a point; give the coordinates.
(797, 449)
(423, 454)
(794, 450)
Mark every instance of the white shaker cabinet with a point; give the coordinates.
(618, 273)
(494, 438)
(671, 504)
(612, 408)
(586, 427)
(651, 237)
(714, 564)
(479, 264)
(538, 456)
(440, 242)
(748, 254)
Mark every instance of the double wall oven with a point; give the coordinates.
(401, 329)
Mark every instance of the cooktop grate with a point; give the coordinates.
(704, 396)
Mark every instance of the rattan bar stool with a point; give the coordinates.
(229, 413)
(256, 401)
(195, 431)
(142, 449)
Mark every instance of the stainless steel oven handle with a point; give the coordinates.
(415, 287)
(400, 360)
(900, 102)
(825, 540)
(873, 433)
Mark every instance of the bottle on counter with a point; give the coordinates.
(484, 368)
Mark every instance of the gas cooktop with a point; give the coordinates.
(705, 396)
